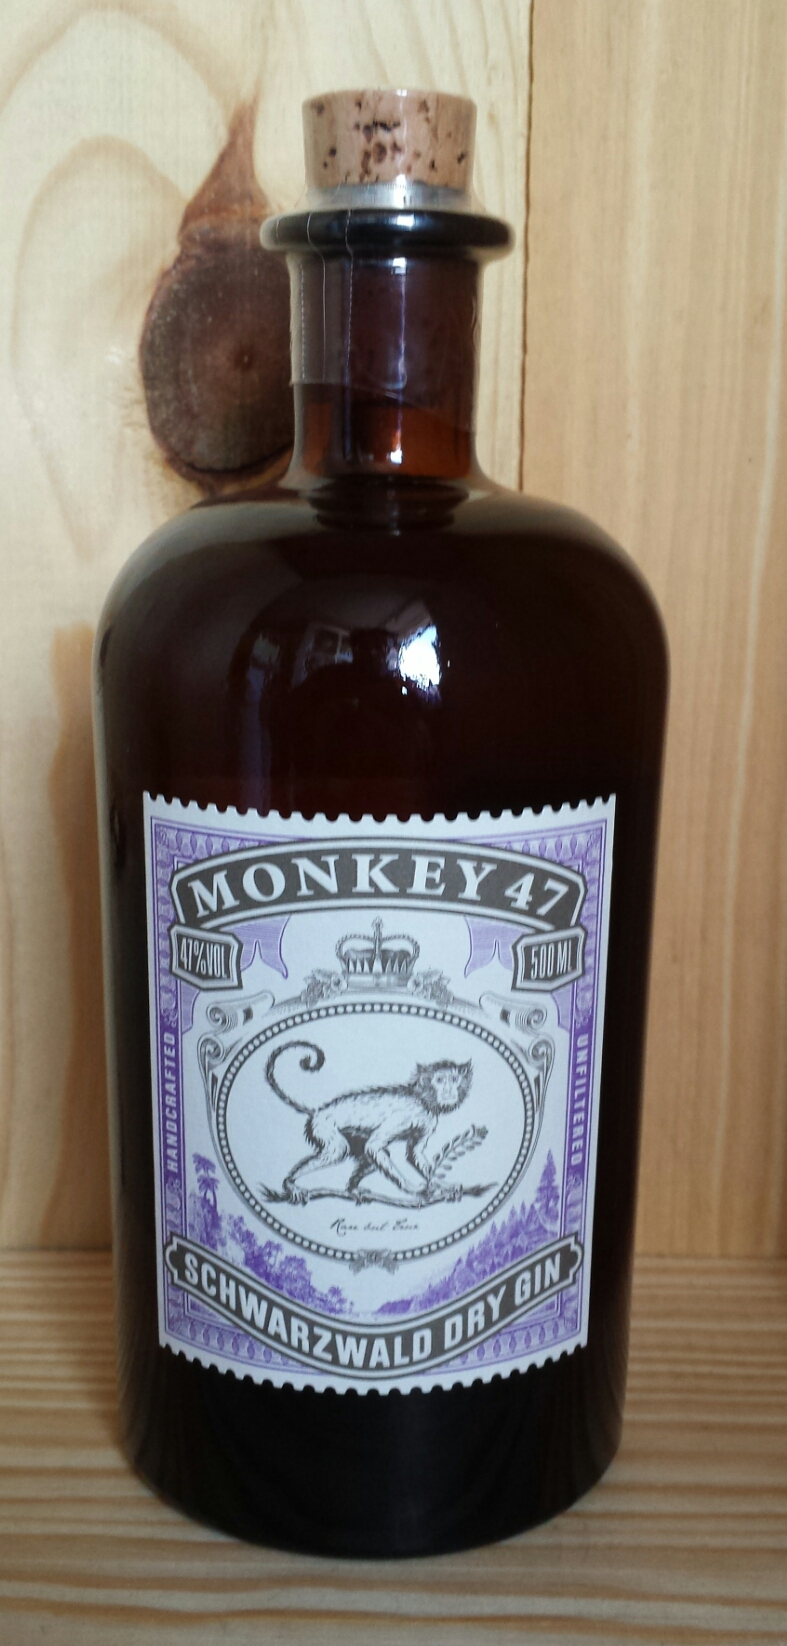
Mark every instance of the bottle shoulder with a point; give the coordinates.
(347, 551)
(316, 643)
(176, 549)
(547, 528)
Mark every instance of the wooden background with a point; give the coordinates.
(634, 357)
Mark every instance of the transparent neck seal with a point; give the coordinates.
(385, 249)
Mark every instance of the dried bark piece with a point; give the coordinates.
(215, 347)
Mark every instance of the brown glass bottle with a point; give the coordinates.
(245, 660)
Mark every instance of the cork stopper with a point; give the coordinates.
(368, 137)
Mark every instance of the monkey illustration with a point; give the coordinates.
(362, 1125)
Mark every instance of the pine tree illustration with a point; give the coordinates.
(207, 1180)
(205, 1222)
(547, 1200)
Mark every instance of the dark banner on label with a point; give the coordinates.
(376, 1352)
(548, 962)
(211, 960)
(535, 893)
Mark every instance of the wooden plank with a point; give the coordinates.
(110, 118)
(684, 1540)
(655, 402)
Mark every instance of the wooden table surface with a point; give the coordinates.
(684, 1541)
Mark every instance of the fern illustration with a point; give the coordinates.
(447, 1157)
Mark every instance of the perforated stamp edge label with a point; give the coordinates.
(376, 1061)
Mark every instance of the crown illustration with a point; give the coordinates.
(377, 960)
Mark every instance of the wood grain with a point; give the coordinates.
(655, 402)
(684, 1541)
(82, 1173)
(654, 196)
(111, 116)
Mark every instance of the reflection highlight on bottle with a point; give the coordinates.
(418, 660)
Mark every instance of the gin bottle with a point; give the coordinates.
(379, 753)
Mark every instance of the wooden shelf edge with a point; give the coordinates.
(684, 1540)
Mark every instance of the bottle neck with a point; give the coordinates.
(385, 360)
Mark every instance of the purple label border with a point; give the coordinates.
(556, 1323)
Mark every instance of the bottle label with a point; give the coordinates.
(376, 1052)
